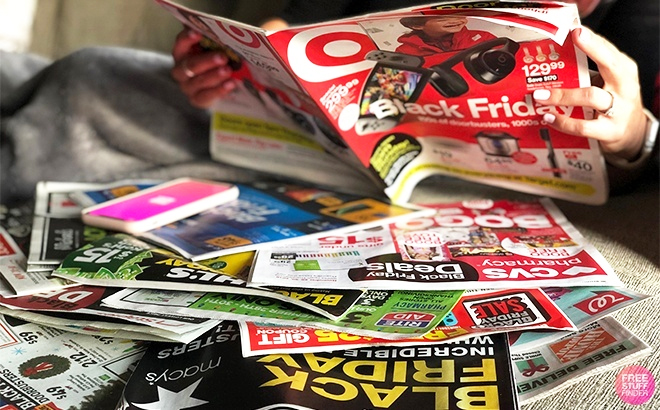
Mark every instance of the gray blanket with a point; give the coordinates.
(99, 114)
(105, 114)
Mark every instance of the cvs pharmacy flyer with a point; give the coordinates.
(469, 245)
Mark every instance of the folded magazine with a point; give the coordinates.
(210, 373)
(465, 245)
(389, 315)
(373, 95)
(475, 314)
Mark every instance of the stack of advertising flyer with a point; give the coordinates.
(501, 300)
(309, 297)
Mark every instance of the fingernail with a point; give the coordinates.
(229, 85)
(584, 35)
(541, 94)
(549, 118)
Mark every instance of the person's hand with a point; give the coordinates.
(620, 123)
(203, 76)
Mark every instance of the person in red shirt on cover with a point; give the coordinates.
(438, 34)
(625, 130)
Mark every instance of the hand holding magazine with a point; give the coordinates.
(357, 92)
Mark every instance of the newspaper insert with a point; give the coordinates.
(46, 368)
(603, 345)
(467, 245)
(211, 371)
(583, 305)
(78, 309)
(475, 314)
(388, 315)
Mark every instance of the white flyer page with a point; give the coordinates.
(470, 245)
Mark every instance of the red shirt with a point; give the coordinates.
(412, 43)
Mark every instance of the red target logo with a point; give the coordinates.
(245, 37)
(326, 53)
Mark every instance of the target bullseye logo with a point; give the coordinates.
(247, 38)
(326, 53)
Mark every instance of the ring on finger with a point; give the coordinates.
(609, 111)
(187, 71)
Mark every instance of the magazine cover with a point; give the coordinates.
(46, 368)
(467, 245)
(380, 92)
(210, 373)
(265, 213)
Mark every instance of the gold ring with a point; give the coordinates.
(610, 110)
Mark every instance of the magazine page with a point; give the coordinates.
(467, 245)
(105, 192)
(53, 238)
(46, 368)
(554, 24)
(122, 260)
(288, 140)
(72, 323)
(73, 196)
(331, 303)
(410, 105)
(601, 346)
(267, 213)
(78, 309)
(582, 305)
(268, 115)
(475, 314)
(13, 264)
(474, 371)
(389, 315)
(398, 107)
(57, 228)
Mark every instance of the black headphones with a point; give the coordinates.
(483, 61)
